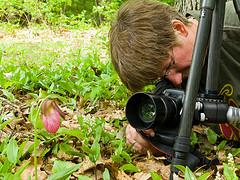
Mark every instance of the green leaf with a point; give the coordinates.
(188, 175)
(106, 175)
(6, 166)
(155, 176)
(21, 148)
(204, 176)
(235, 152)
(194, 138)
(22, 168)
(63, 170)
(181, 168)
(12, 151)
(126, 156)
(120, 155)
(228, 173)
(8, 94)
(94, 156)
(69, 150)
(59, 166)
(1, 55)
(71, 132)
(221, 145)
(95, 148)
(35, 117)
(57, 96)
(211, 135)
(129, 168)
(4, 124)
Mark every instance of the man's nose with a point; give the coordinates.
(175, 78)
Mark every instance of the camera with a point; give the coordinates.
(163, 108)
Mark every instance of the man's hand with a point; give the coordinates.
(136, 140)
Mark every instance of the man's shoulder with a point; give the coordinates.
(231, 18)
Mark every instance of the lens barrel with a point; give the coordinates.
(146, 110)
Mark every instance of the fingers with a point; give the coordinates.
(139, 144)
(149, 132)
(133, 138)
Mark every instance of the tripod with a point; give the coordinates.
(209, 34)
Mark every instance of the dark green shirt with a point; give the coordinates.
(229, 76)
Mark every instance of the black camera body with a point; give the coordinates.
(163, 108)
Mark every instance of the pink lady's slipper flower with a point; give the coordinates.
(51, 115)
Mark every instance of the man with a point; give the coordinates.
(150, 40)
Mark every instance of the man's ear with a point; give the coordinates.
(179, 27)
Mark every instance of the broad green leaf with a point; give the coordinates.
(117, 158)
(10, 176)
(106, 174)
(71, 132)
(59, 166)
(35, 117)
(235, 152)
(8, 94)
(181, 168)
(12, 151)
(126, 156)
(21, 148)
(3, 146)
(69, 150)
(129, 168)
(120, 155)
(63, 172)
(155, 176)
(4, 124)
(6, 166)
(45, 151)
(194, 138)
(204, 176)
(221, 145)
(86, 149)
(94, 156)
(59, 97)
(211, 135)
(228, 173)
(188, 175)
(22, 168)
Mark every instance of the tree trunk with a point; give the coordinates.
(184, 6)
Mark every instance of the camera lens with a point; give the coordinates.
(147, 111)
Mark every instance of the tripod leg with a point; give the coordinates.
(182, 143)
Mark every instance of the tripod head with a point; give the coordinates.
(154, 110)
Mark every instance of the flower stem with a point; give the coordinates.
(35, 153)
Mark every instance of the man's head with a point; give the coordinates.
(145, 41)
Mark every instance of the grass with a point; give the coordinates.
(70, 62)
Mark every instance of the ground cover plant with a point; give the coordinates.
(69, 63)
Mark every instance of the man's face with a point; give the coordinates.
(178, 65)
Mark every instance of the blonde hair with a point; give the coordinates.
(140, 40)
